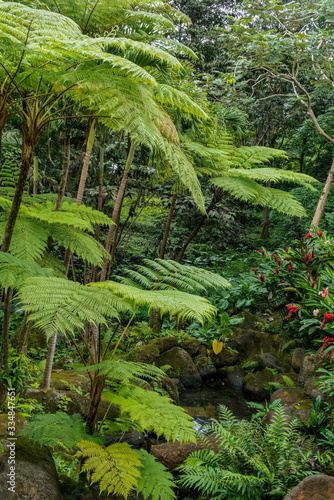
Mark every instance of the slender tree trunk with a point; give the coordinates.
(66, 165)
(82, 183)
(3, 120)
(99, 204)
(117, 208)
(265, 223)
(28, 146)
(5, 329)
(35, 178)
(49, 361)
(218, 195)
(167, 227)
(323, 197)
(94, 400)
(95, 339)
(25, 334)
(85, 166)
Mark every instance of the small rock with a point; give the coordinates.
(308, 368)
(270, 360)
(171, 455)
(311, 388)
(297, 359)
(63, 363)
(255, 384)
(319, 487)
(226, 357)
(66, 380)
(204, 368)
(233, 377)
(192, 346)
(288, 395)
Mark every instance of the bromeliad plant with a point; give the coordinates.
(301, 278)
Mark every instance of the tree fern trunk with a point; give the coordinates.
(323, 197)
(25, 334)
(218, 195)
(5, 328)
(3, 120)
(49, 362)
(29, 141)
(35, 178)
(82, 183)
(117, 208)
(66, 165)
(94, 400)
(95, 339)
(167, 227)
(85, 166)
(99, 204)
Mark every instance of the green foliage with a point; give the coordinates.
(57, 430)
(155, 481)
(325, 381)
(263, 409)
(254, 462)
(116, 467)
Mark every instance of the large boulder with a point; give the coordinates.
(147, 353)
(270, 360)
(164, 343)
(35, 475)
(183, 367)
(249, 342)
(292, 398)
(233, 377)
(319, 487)
(67, 380)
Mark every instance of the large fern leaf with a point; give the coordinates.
(155, 481)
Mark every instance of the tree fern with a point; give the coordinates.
(116, 467)
(14, 271)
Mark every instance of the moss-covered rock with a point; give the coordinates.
(205, 369)
(35, 472)
(309, 366)
(164, 343)
(256, 384)
(270, 360)
(183, 367)
(226, 357)
(20, 422)
(192, 346)
(144, 354)
(66, 380)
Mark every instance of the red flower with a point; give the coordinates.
(275, 257)
(314, 282)
(290, 268)
(292, 309)
(327, 318)
(308, 258)
(255, 271)
(287, 258)
(262, 278)
(319, 233)
(279, 262)
(309, 276)
(327, 340)
(261, 251)
(276, 270)
(287, 249)
(307, 236)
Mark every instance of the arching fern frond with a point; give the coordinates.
(13, 271)
(155, 482)
(114, 467)
(250, 156)
(273, 175)
(169, 302)
(251, 191)
(29, 238)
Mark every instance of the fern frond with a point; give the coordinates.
(155, 482)
(169, 302)
(14, 271)
(29, 238)
(250, 156)
(125, 371)
(274, 175)
(48, 430)
(251, 191)
(115, 467)
(154, 413)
